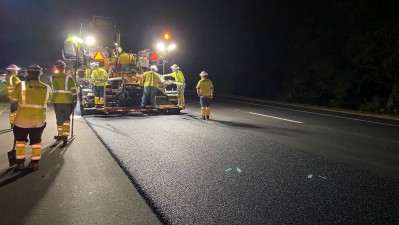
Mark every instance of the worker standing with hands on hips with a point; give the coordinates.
(179, 78)
(32, 97)
(11, 81)
(205, 93)
(64, 99)
(101, 76)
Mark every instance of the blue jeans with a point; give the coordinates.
(205, 102)
(149, 92)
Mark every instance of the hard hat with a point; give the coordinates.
(94, 64)
(13, 67)
(203, 73)
(154, 68)
(175, 67)
(34, 68)
(59, 64)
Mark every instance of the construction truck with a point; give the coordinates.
(124, 88)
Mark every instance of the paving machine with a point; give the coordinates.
(123, 91)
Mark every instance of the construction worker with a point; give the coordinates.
(151, 81)
(32, 97)
(64, 99)
(11, 81)
(205, 93)
(101, 76)
(179, 78)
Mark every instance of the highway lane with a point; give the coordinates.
(252, 164)
(368, 143)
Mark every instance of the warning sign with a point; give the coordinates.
(98, 56)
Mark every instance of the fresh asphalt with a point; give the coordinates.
(256, 163)
(77, 184)
(252, 163)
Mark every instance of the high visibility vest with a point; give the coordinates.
(151, 79)
(32, 97)
(179, 77)
(64, 88)
(100, 73)
(205, 86)
(11, 82)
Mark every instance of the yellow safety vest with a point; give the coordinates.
(179, 77)
(205, 86)
(100, 73)
(32, 97)
(11, 82)
(151, 79)
(64, 88)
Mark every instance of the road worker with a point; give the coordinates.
(151, 81)
(11, 81)
(100, 77)
(205, 93)
(64, 99)
(179, 78)
(32, 97)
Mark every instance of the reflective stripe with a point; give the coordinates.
(51, 82)
(23, 92)
(11, 80)
(61, 91)
(32, 106)
(66, 84)
(36, 146)
(35, 157)
(47, 95)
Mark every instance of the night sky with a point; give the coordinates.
(250, 48)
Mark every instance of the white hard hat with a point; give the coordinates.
(154, 68)
(203, 73)
(13, 67)
(175, 67)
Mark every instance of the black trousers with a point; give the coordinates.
(35, 134)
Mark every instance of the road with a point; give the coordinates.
(258, 163)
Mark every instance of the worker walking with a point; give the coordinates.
(11, 81)
(179, 78)
(64, 99)
(101, 76)
(205, 93)
(32, 97)
(151, 82)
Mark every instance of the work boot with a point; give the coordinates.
(20, 164)
(207, 117)
(203, 117)
(12, 125)
(34, 165)
(58, 137)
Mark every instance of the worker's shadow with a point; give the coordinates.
(52, 153)
(23, 195)
(5, 131)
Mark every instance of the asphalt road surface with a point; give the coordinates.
(255, 163)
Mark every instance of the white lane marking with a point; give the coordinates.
(321, 114)
(274, 117)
